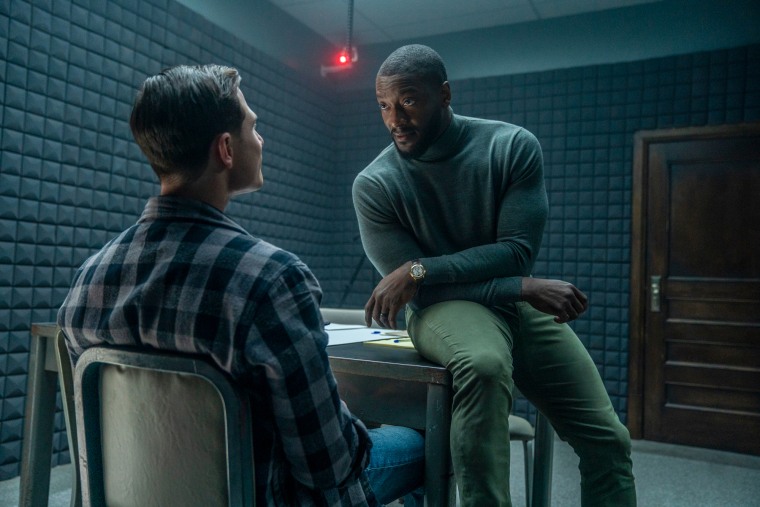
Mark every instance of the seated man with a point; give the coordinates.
(452, 213)
(187, 278)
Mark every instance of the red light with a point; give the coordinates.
(342, 59)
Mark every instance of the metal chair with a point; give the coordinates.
(66, 385)
(521, 430)
(160, 429)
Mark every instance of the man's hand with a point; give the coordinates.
(389, 297)
(555, 297)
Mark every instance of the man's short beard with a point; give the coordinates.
(418, 150)
(431, 135)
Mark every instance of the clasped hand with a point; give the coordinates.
(555, 297)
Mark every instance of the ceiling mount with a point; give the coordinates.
(348, 55)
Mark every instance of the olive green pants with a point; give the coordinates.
(490, 351)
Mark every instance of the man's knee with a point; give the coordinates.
(483, 366)
(622, 439)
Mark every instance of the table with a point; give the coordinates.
(379, 384)
(39, 414)
(396, 386)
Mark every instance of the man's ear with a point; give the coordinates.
(221, 149)
(446, 93)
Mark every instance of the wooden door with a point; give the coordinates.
(695, 306)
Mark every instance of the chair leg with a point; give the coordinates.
(528, 453)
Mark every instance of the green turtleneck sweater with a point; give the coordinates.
(472, 208)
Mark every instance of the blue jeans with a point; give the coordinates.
(397, 465)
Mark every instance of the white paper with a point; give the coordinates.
(363, 334)
(340, 327)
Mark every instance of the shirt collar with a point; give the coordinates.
(447, 143)
(169, 207)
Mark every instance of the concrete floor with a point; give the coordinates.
(666, 476)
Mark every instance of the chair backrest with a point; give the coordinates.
(161, 429)
(66, 385)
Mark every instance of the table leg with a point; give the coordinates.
(439, 486)
(34, 485)
(542, 463)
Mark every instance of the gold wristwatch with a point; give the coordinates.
(417, 271)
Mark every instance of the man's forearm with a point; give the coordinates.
(490, 293)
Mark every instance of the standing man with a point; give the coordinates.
(452, 214)
(187, 278)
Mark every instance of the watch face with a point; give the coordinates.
(418, 271)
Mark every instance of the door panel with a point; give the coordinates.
(698, 337)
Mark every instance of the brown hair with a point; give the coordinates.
(179, 112)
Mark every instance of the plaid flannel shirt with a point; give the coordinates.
(187, 278)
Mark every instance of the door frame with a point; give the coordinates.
(637, 321)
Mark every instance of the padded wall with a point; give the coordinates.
(71, 176)
(585, 119)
